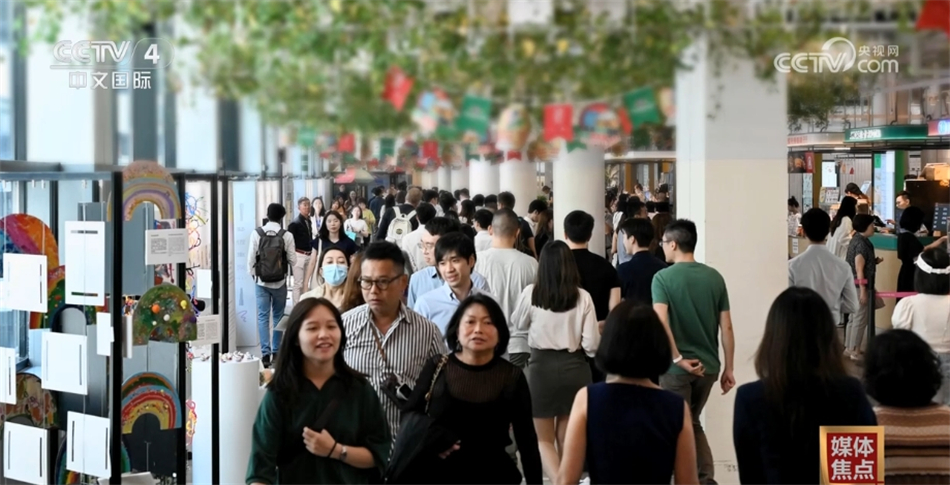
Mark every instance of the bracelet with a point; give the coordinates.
(678, 359)
(331, 450)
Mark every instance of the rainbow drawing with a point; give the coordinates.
(32, 401)
(25, 234)
(69, 477)
(147, 181)
(164, 314)
(149, 393)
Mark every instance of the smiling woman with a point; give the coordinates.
(320, 421)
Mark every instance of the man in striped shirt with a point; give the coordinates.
(386, 340)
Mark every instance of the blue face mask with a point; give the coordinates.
(334, 274)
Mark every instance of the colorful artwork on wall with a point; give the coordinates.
(147, 181)
(149, 393)
(25, 234)
(69, 477)
(32, 401)
(164, 314)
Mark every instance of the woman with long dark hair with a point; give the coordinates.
(331, 234)
(558, 319)
(334, 266)
(841, 227)
(476, 398)
(802, 385)
(545, 229)
(318, 212)
(467, 212)
(320, 421)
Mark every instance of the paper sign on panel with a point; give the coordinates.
(65, 363)
(28, 460)
(85, 262)
(29, 271)
(166, 246)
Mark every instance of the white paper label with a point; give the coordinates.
(209, 330)
(166, 246)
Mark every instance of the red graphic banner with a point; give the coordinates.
(558, 122)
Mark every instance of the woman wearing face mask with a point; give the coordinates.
(334, 267)
(320, 421)
(477, 396)
(331, 236)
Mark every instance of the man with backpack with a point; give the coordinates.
(271, 254)
(413, 198)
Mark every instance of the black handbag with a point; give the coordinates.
(414, 435)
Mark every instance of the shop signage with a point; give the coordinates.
(938, 128)
(885, 133)
(813, 139)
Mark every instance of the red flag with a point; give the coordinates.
(625, 124)
(347, 143)
(397, 88)
(558, 122)
(935, 15)
(513, 155)
(430, 149)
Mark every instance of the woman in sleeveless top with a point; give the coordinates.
(627, 428)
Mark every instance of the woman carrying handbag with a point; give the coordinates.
(456, 422)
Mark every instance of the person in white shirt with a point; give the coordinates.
(535, 208)
(357, 225)
(820, 270)
(842, 227)
(928, 312)
(508, 272)
(558, 319)
(271, 295)
(483, 218)
(411, 243)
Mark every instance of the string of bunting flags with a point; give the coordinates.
(446, 136)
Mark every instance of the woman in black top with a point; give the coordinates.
(545, 228)
(909, 247)
(627, 428)
(476, 398)
(802, 385)
(331, 234)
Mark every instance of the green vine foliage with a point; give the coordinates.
(323, 63)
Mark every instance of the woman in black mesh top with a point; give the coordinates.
(477, 397)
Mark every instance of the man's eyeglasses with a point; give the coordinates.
(664, 242)
(426, 246)
(382, 283)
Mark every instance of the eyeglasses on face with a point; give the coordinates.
(382, 283)
(426, 246)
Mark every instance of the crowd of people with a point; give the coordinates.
(459, 342)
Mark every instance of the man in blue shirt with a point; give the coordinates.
(455, 256)
(427, 279)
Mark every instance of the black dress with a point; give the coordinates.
(908, 248)
(475, 406)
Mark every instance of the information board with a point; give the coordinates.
(942, 218)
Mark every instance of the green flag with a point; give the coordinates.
(574, 145)
(641, 105)
(387, 147)
(474, 119)
(306, 137)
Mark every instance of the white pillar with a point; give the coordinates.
(549, 174)
(731, 169)
(460, 178)
(519, 178)
(444, 176)
(579, 184)
(483, 178)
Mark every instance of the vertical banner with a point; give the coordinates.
(809, 162)
(347, 143)
(474, 119)
(306, 137)
(558, 122)
(641, 106)
(430, 150)
(244, 221)
(397, 88)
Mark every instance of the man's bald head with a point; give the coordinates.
(505, 223)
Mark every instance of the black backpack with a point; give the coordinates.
(271, 265)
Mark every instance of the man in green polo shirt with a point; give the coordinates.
(693, 304)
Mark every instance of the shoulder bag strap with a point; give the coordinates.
(435, 376)
(379, 347)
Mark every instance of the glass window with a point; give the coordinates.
(14, 325)
(6, 80)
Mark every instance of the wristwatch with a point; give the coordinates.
(343, 453)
